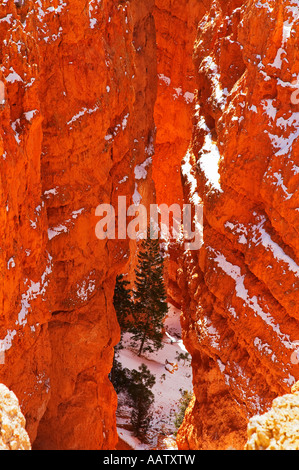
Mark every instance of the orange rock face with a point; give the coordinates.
(98, 100)
(176, 25)
(80, 85)
(241, 300)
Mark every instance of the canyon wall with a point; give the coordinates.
(176, 26)
(240, 290)
(99, 101)
(76, 121)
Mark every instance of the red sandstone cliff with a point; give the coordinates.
(240, 309)
(80, 87)
(99, 101)
(176, 26)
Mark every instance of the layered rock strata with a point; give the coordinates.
(176, 26)
(76, 121)
(79, 127)
(240, 290)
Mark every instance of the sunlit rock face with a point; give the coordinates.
(176, 26)
(100, 99)
(76, 119)
(240, 290)
(277, 429)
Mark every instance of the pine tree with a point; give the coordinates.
(186, 397)
(150, 296)
(141, 398)
(123, 305)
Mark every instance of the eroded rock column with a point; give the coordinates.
(240, 311)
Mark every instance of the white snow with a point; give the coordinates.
(279, 183)
(264, 4)
(64, 228)
(140, 171)
(6, 343)
(45, 17)
(11, 263)
(219, 94)
(238, 229)
(29, 114)
(213, 335)
(84, 290)
(186, 169)
(125, 121)
(292, 14)
(170, 377)
(6, 18)
(277, 63)
(82, 112)
(52, 191)
(178, 92)
(150, 148)
(189, 97)
(234, 271)
(269, 108)
(54, 231)
(13, 76)
(209, 162)
(14, 126)
(67, 224)
(265, 348)
(253, 108)
(34, 290)
(209, 154)
(164, 79)
(75, 214)
(136, 196)
(33, 224)
(264, 238)
(123, 180)
(93, 5)
(284, 144)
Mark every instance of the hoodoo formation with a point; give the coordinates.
(184, 102)
(240, 290)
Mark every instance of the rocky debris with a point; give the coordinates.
(277, 429)
(13, 435)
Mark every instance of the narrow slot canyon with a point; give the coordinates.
(110, 108)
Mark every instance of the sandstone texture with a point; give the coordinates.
(13, 435)
(76, 121)
(176, 25)
(240, 290)
(278, 428)
(171, 101)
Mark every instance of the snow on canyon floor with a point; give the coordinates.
(172, 377)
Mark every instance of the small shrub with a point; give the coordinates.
(184, 402)
(183, 357)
